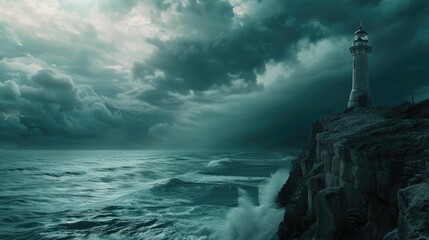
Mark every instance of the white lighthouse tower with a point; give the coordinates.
(360, 96)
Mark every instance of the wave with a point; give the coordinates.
(61, 174)
(250, 221)
(220, 194)
(219, 162)
(21, 169)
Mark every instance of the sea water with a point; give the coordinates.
(64, 194)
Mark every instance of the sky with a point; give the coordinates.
(191, 74)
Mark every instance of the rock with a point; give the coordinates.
(414, 212)
(330, 213)
(315, 184)
(345, 183)
(393, 235)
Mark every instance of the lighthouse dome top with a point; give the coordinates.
(361, 31)
(360, 34)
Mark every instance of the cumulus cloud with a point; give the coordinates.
(9, 90)
(50, 109)
(53, 91)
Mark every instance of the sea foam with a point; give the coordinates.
(250, 221)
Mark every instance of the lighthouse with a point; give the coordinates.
(360, 95)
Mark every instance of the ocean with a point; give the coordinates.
(189, 195)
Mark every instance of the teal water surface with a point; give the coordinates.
(140, 194)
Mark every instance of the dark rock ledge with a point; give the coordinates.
(363, 175)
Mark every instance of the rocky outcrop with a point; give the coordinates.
(363, 175)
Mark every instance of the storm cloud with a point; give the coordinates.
(196, 74)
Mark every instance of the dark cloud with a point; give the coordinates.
(232, 54)
(9, 90)
(214, 9)
(54, 92)
(47, 78)
(51, 110)
(220, 75)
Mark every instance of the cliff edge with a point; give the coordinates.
(363, 175)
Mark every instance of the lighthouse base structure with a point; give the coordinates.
(359, 100)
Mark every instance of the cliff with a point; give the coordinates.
(363, 175)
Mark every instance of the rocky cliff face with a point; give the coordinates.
(363, 175)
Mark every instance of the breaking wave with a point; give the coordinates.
(220, 162)
(250, 221)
